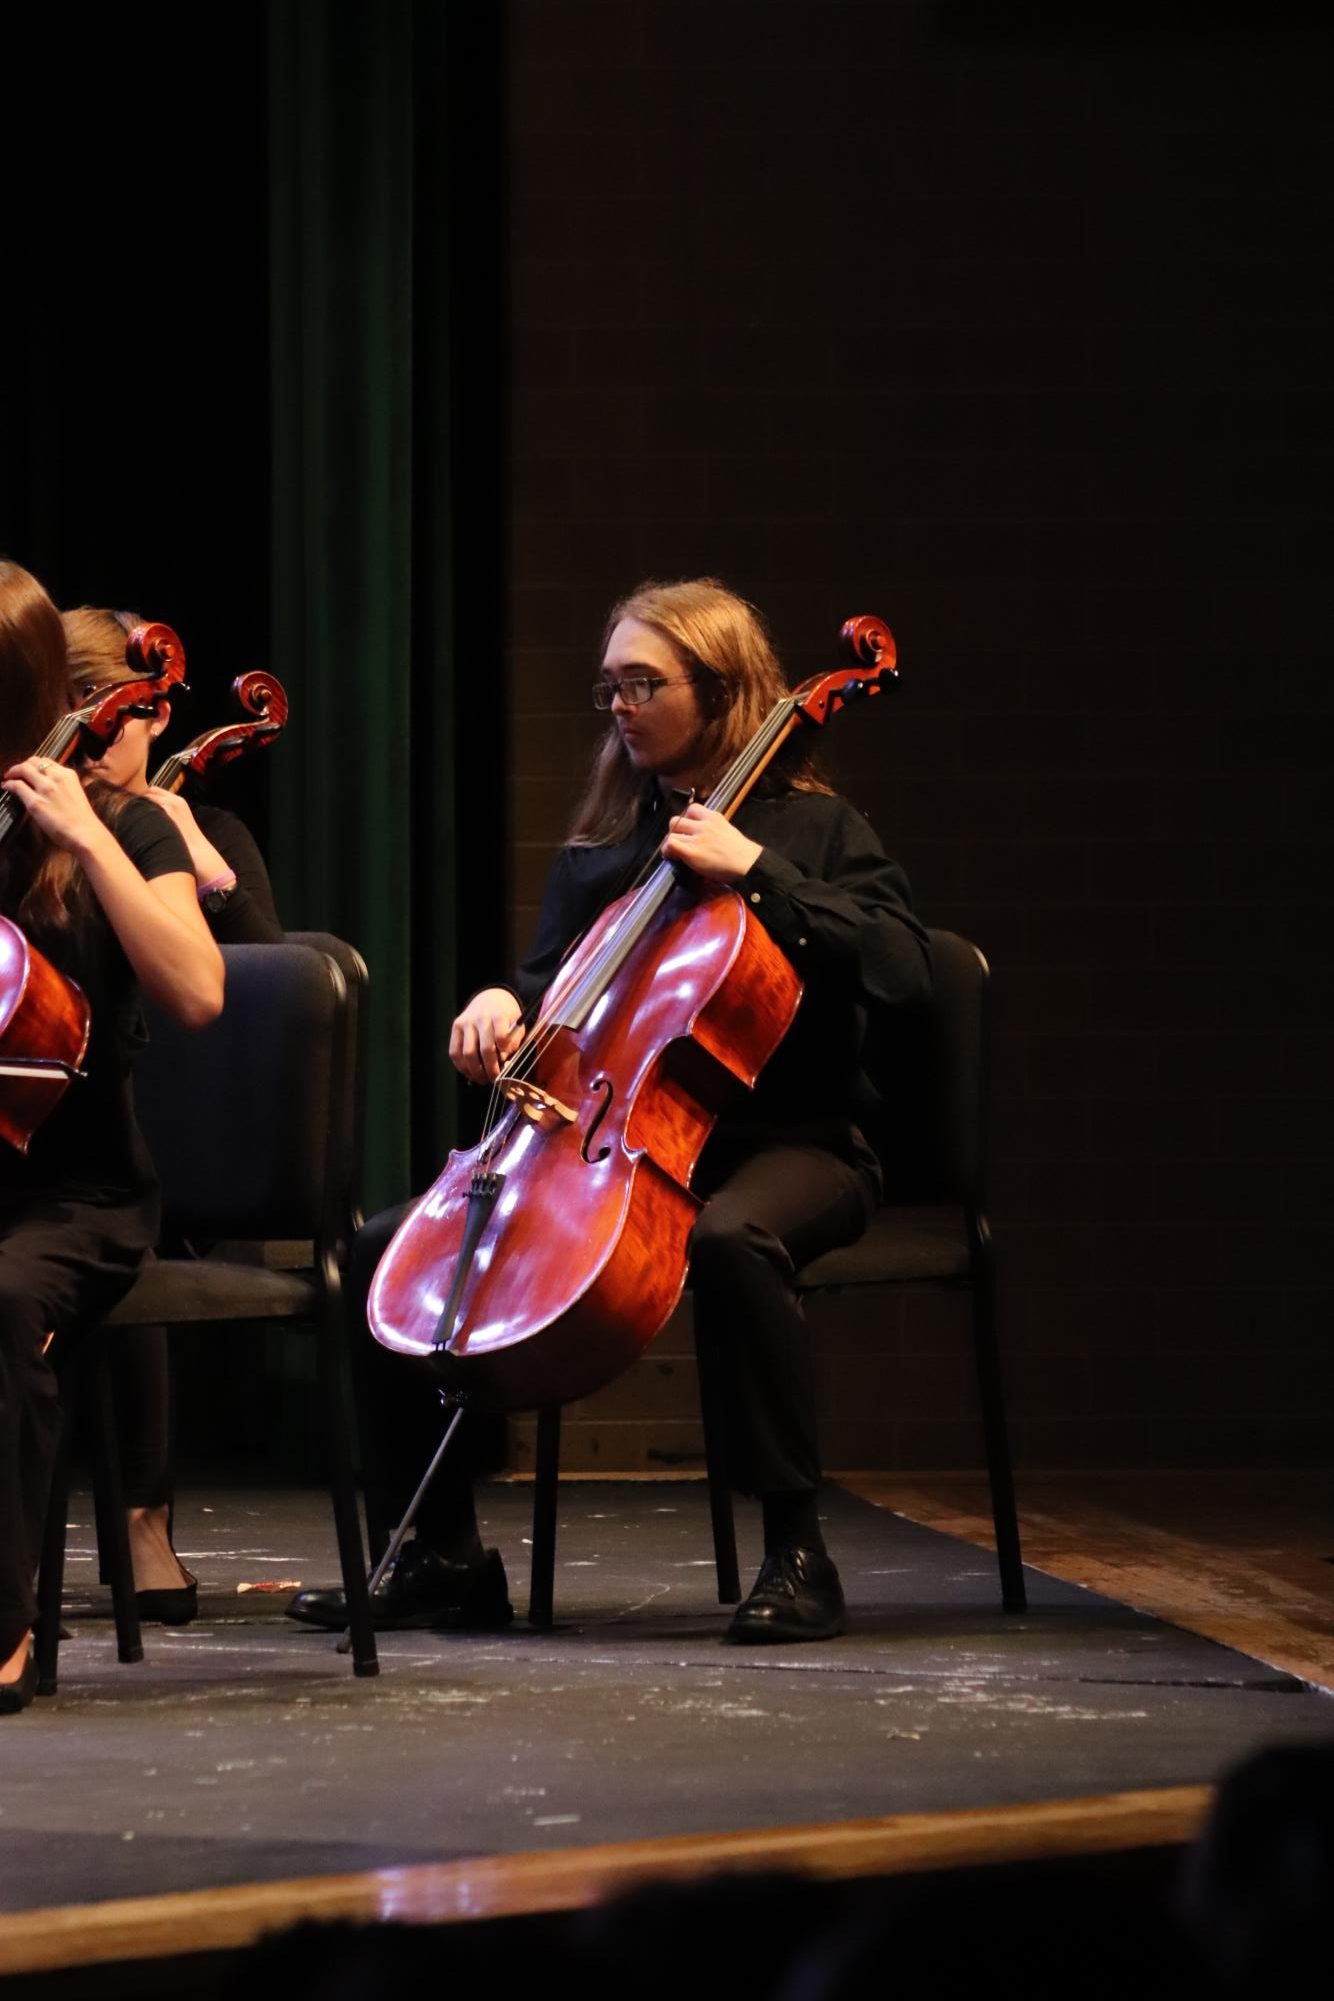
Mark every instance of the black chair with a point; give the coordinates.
(253, 1123)
(931, 1067)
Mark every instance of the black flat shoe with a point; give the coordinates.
(426, 1592)
(797, 1596)
(176, 1607)
(16, 1695)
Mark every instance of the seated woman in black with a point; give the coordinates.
(687, 675)
(102, 885)
(236, 898)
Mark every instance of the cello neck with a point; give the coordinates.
(736, 783)
(726, 797)
(170, 774)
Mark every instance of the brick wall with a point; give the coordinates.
(1024, 345)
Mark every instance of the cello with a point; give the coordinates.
(544, 1260)
(45, 1020)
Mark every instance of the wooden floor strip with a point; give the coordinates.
(492, 1886)
(1244, 1559)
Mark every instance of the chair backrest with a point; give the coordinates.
(245, 1119)
(357, 980)
(931, 1070)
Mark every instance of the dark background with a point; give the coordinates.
(134, 336)
(1012, 330)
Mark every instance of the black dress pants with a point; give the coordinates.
(771, 1208)
(61, 1269)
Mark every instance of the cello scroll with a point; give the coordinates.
(264, 707)
(869, 642)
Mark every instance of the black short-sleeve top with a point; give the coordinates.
(248, 917)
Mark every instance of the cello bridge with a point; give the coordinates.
(537, 1104)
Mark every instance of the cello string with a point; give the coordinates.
(645, 895)
(53, 744)
(644, 891)
(521, 1064)
(632, 880)
(621, 939)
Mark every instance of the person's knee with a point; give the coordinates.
(725, 1241)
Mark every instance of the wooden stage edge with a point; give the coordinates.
(495, 1886)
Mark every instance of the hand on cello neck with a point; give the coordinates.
(709, 845)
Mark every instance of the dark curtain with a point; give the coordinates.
(134, 338)
(385, 259)
(251, 375)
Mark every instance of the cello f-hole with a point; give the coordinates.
(599, 1084)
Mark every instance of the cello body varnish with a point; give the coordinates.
(585, 1253)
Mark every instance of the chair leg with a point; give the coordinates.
(1014, 1594)
(113, 1529)
(343, 1494)
(51, 1571)
(541, 1593)
(102, 1528)
(720, 1491)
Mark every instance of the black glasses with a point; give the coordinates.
(636, 689)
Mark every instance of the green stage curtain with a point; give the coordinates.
(366, 462)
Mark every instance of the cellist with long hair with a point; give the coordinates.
(686, 676)
(101, 884)
(236, 899)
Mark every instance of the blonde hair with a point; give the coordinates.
(95, 647)
(725, 647)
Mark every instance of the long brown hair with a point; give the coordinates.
(725, 647)
(40, 884)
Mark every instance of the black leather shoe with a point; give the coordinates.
(425, 1592)
(16, 1695)
(797, 1596)
(174, 1607)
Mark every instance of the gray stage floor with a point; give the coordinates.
(242, 1748)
